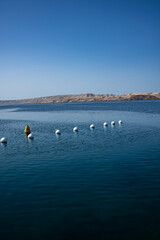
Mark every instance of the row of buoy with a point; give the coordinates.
(92, 126)
(27, 130)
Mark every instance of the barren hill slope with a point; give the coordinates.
(89, 97)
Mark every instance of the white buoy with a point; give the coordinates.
(120, 122)
(113, 123)
(75, 129)
(58, 132)
(30, 136)
(3, 140)
(105, 124)
(92, 126)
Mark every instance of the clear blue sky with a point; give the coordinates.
(51, 47)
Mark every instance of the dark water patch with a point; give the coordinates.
(100, 184)
(147, 106)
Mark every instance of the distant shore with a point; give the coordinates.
(89, 97)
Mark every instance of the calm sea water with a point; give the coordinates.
(100, 184)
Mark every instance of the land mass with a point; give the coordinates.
(89, 97)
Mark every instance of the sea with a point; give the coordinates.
(94, 184)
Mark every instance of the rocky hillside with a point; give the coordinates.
(89, 97)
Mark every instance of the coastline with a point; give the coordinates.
(89, 97)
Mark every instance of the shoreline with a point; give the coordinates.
(89, 97)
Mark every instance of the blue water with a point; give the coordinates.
(99, 184)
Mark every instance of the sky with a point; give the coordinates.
(52, 47)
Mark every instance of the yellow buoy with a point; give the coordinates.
(27, 130)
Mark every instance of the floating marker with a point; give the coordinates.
(92, 126)
(75, 129)
(113, 123)
(30, 136)
(105, 124)
(3, 140)
(58, 132)
(120, 122)
(27, 130)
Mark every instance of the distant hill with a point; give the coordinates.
(89, 97)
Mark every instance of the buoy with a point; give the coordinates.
(58, 132)
(92, 126)
(3, 140)
(113, 123)
(27, 130)
(105, 124)
(120, 122)
(30, 136)
(75, 129)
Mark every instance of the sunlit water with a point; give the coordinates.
(94, 184)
